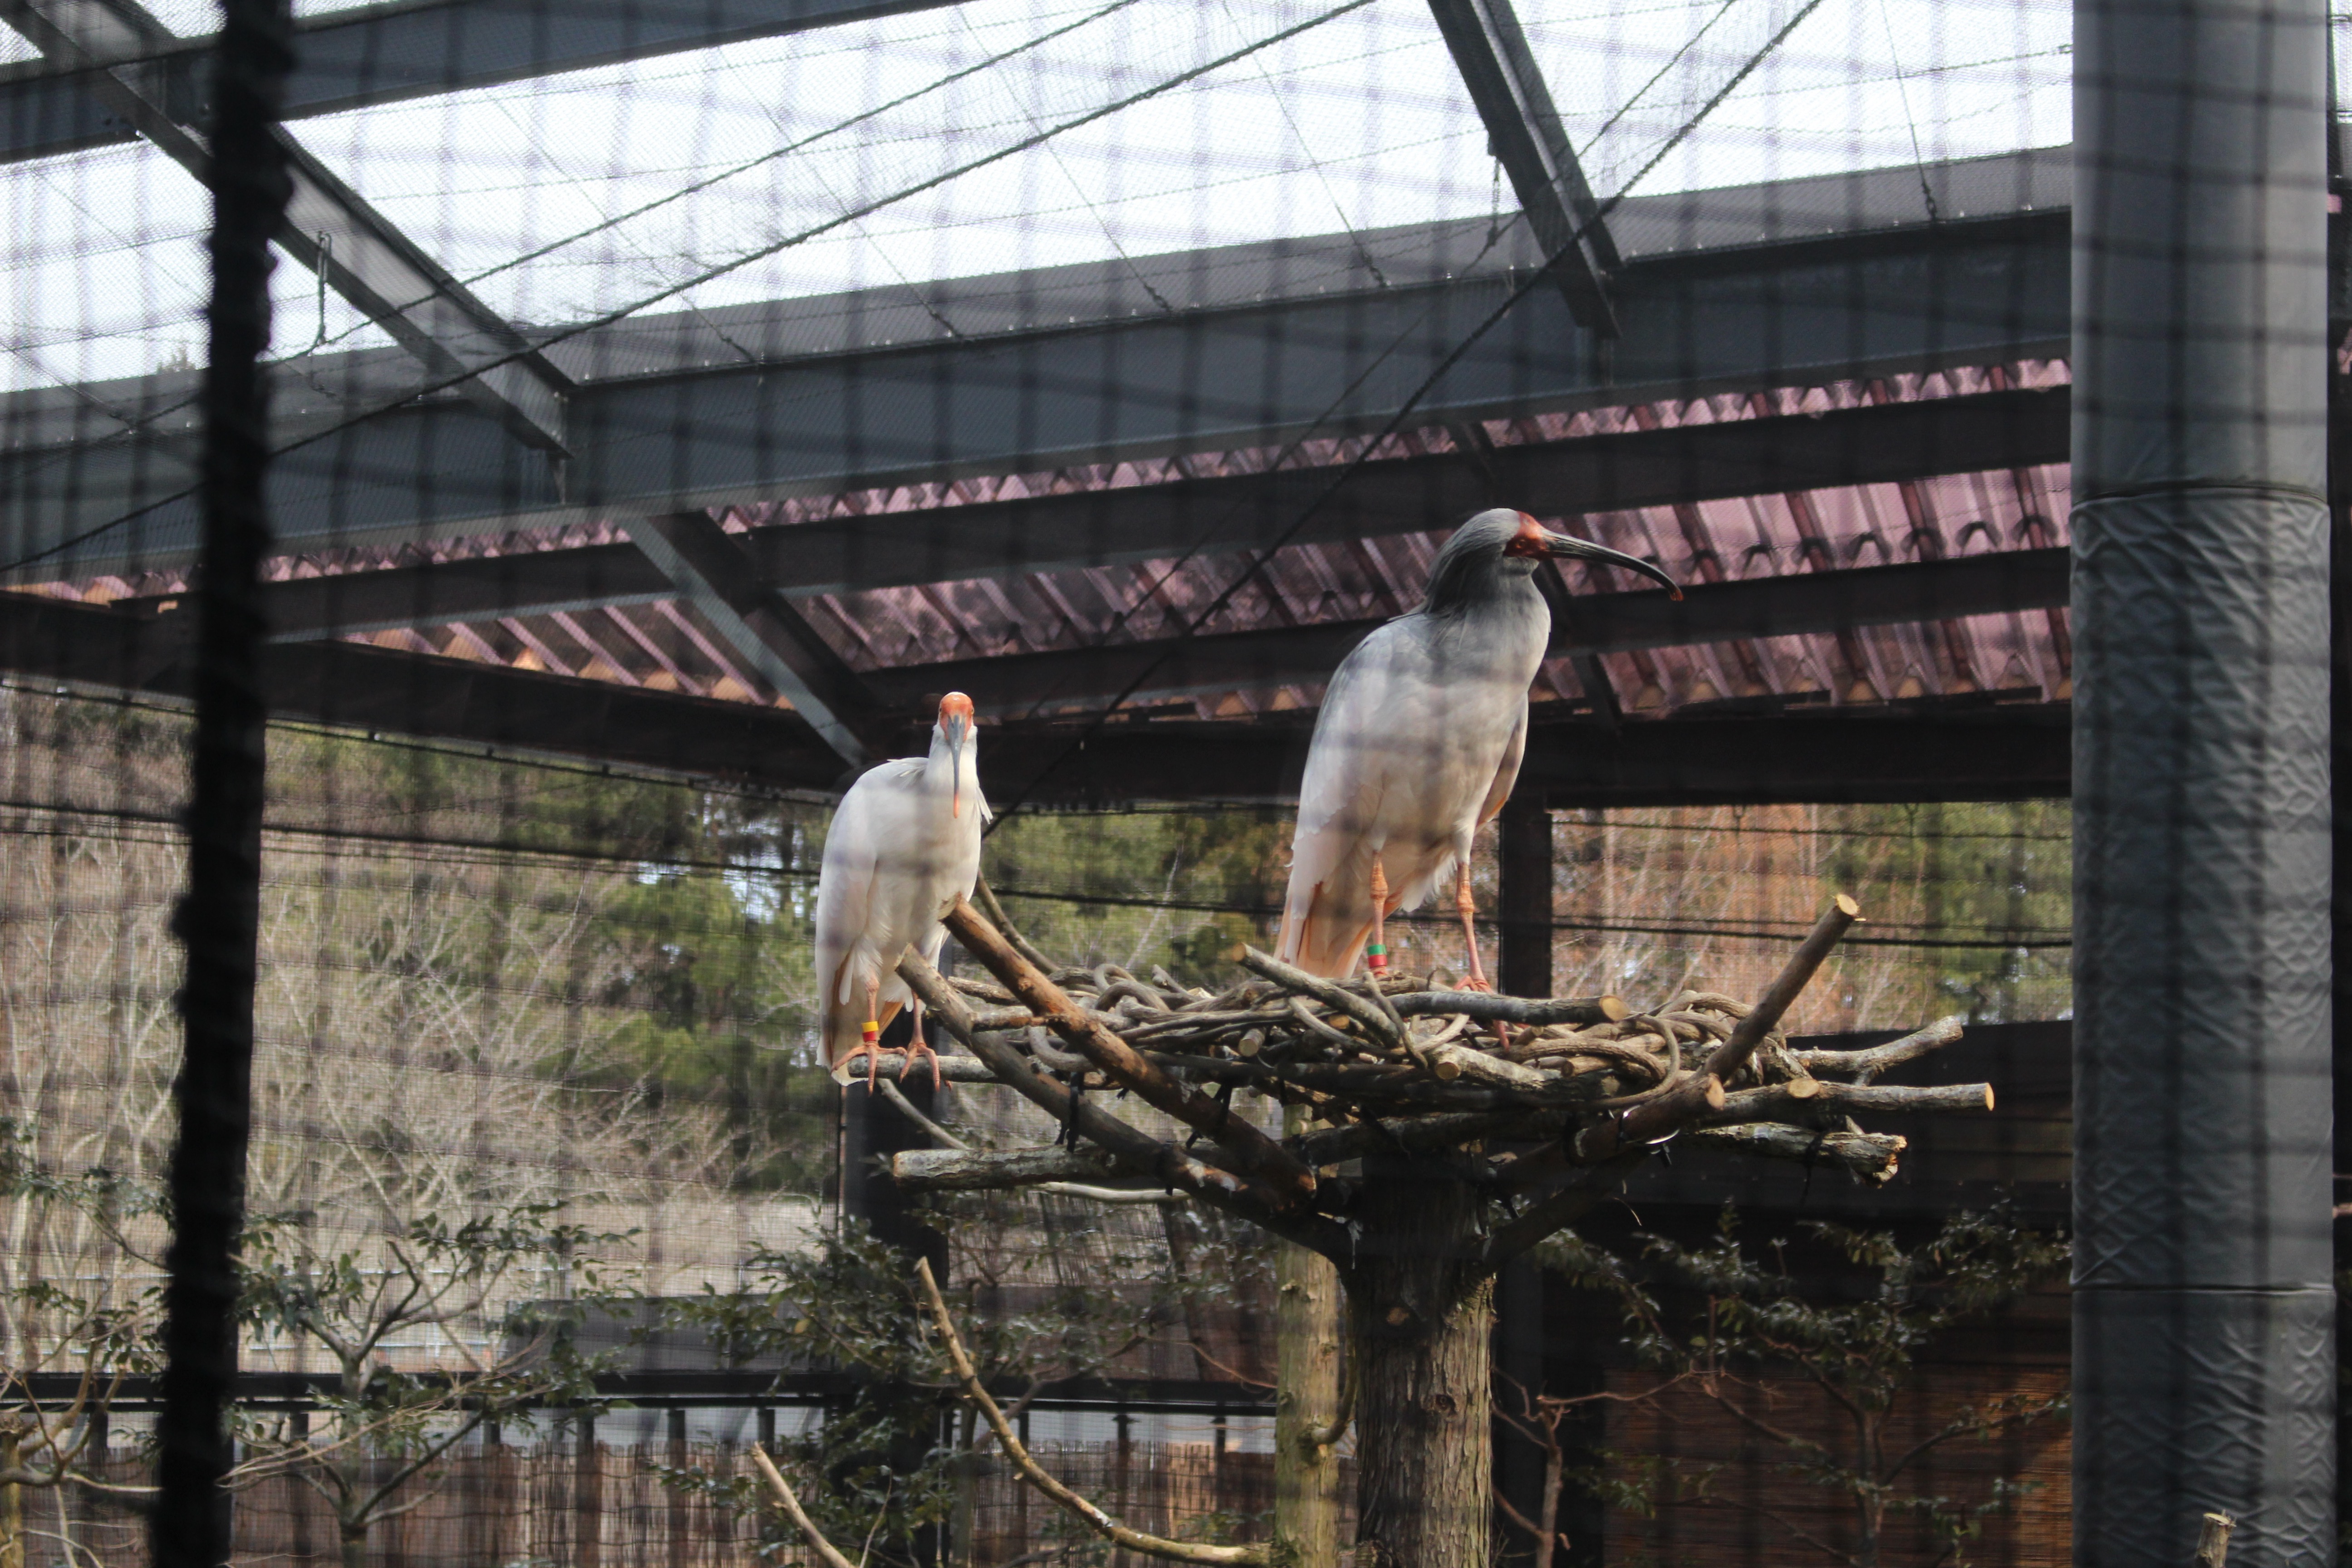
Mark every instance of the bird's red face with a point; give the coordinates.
(1531, 543)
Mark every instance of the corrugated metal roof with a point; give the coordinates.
(666, 645)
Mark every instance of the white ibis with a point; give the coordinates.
(1419, 743)
(905, 844)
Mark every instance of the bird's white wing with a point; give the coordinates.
(1352, 764)
(1507, 774)
(1343, 773)
(845, 898)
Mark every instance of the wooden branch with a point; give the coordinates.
(1253, 1152)
(1864, 1065)
(1413, 1133)
(1873, 1156)
(1775, 1103)
(1304, 1016)
(1689, 1099)
(1215, 1069)
(1448, 1063)
(986, 1169)
(953, 1069)
(995, 911)
(1492, 1007)
(1101, 1523)
(825, 1550)
(2213, 1539)
(1130, 1146)
(910, 1179)
(1362, 1009)
(1343, 1414)
(1401, 1088)
(1562, 1209)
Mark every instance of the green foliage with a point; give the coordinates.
(390, 1428)
(506, 1285)
(99, 1329)
(386, 788)
(1980, 867)
(1718, 1321)
(1175, 889)
(722, 1006)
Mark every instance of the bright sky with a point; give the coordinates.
(1355, 120)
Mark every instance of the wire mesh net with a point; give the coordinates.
(669, 406)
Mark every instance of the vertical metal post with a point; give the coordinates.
(587, 1494)
(1523, 854)
(2339, 598)
(2204, 1356)
(218, 919)
(680, 1515)
(1524, 857)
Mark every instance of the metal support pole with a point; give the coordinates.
(218, 920)
(1523, 858)
(587, 1494)
(2204, 1356)
(1523, 854)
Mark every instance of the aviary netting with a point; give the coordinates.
(1447, 1133)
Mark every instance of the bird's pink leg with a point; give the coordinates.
(1469, 908)
(872, 1044)
(1376, 952)
(867, 1045)
(918, 1047)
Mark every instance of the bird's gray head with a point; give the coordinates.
(1501, 547)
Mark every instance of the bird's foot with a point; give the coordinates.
(1477, 982)
(917, 1049)
(873, 1055)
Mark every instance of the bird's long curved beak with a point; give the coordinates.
(957, 728)
(1561, 544)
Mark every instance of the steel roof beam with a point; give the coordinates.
(1872, 444)
(2009, 752)
(677, 433)
(329, 229)
(386, 53)
(1927, 752)
(1806, 604)
(712, 571)
(1525, 132)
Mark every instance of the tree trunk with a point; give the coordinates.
(12, 1501)
(1425, 1445)
(354, 1537)
(1308, 1349)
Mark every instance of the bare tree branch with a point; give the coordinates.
(826, 1552)
(1254, 1152)
(1010, 1441)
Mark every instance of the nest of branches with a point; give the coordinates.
(1560, 1093)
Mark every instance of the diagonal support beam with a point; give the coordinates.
(352, 56)
(1525, 131)
(719, 579)
(329, 229)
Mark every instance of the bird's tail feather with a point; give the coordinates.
(1326, 923)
